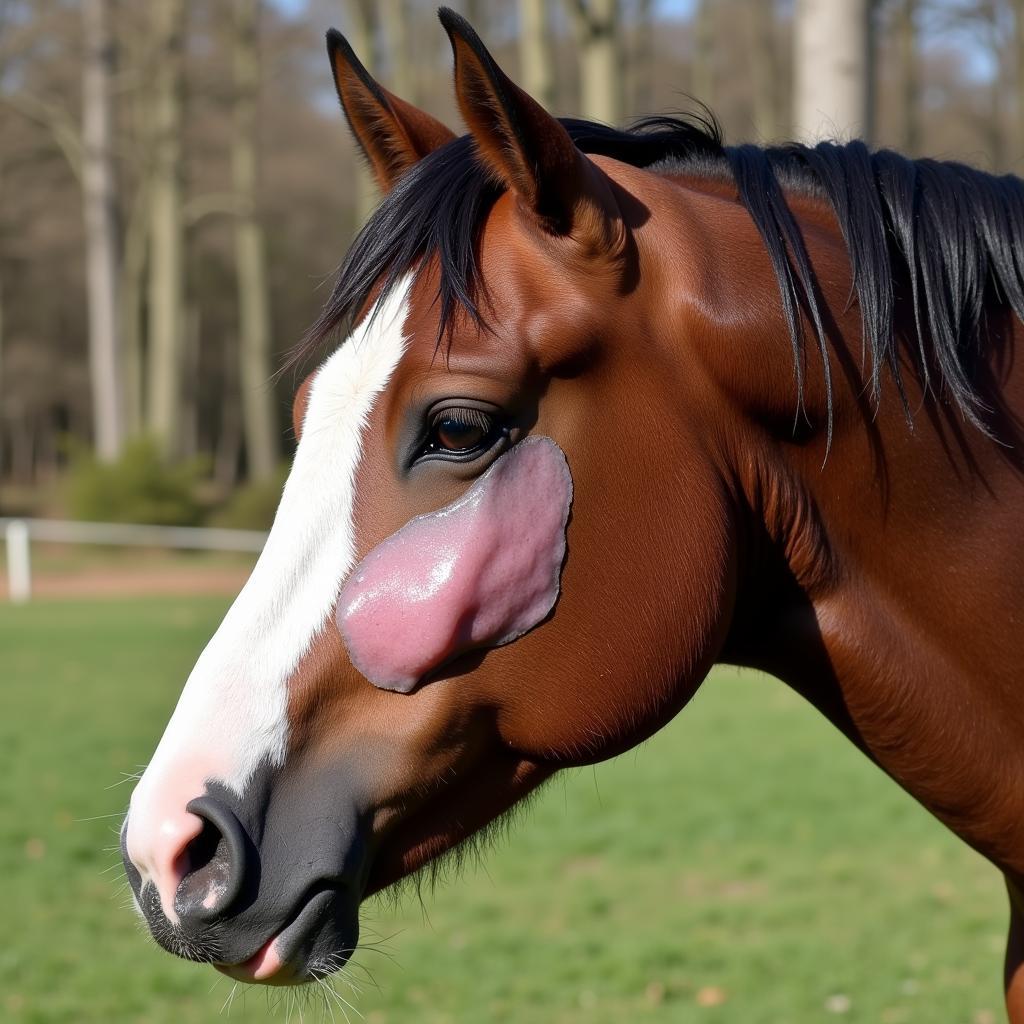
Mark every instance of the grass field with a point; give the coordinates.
(746, 866)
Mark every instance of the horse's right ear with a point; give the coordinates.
(393, 134)
(528, 150)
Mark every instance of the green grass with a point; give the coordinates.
(745, 858)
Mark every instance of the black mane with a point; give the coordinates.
(947, 236)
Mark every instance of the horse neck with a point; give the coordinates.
(882, 580)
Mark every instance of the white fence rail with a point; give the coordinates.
(19, 534)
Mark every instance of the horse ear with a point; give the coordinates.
(393, 134)
(526, 148)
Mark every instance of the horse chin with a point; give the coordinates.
(315, 941)
(308, 948)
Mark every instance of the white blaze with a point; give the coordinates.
(232, 713)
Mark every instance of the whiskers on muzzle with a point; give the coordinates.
(171, 938)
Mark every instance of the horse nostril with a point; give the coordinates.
(215, 862)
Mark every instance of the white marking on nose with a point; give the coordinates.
(215, 893)
(232, 714)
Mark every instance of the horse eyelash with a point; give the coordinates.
(475, 417)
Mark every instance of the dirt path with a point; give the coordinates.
(141, 581)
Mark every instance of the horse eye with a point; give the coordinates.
(459, 431)
(458, 436)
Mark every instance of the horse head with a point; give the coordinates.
(470, 582)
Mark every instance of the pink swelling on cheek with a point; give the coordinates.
(478, 573)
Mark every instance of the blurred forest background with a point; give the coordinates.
(177, 186)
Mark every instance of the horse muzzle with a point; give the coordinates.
(263, 886)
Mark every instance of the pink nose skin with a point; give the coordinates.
(160, 828)
(162, 858)
(478, 573)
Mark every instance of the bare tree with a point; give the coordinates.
(641, 63)
(131, 314)
(832, 69)
(137, 57)
(56, 120)
(598, 36)
(989, 21)
(395, 18)
(89, 153)
(2, 325)
(258, 413)
(365, 41)
(536, 68)
(166, 260)
(702, 62)
(993, 27)
(910, 75)
(764, 67)
(99, 201)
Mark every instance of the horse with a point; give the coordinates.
(593, 410)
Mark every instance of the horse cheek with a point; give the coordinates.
(479, 573)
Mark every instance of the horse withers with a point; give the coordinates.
(601, 408)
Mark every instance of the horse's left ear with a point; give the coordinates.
(527, 149)
(393, 134)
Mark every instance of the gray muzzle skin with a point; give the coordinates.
(287, 858)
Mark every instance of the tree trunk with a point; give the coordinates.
(166, 263)
(832, 69)
(702, 65)
(597, 34)
(2, 403)
(764, 71)
(258, 412)
(991, 12)
(395, 16)
(22, 450)
(188, 422)
(136, 216)
(229, 440)
(641, 64)
(536, 67)
(132, 289)
(910, 76)
(101, 232)
(2, 417)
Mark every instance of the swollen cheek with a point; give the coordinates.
(478, 573)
